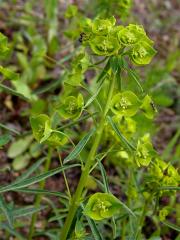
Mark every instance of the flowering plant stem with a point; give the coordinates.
(75, 202)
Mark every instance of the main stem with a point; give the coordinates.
(75, 202)
(39, 197)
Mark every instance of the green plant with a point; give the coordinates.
(92, 124)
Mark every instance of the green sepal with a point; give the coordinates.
(105, 46)
(125, 104)
(101, 206)
(71, 107)
(148, 107)
(142, 53)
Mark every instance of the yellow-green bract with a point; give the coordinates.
(145, 151)
(42, 132)
(125, 103)
(71, 107)
(105, 46)
(142, 53)
(148, 107)
(101, 206)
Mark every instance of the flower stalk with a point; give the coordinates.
(85, 171)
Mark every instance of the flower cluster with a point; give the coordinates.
(163, 173)
(101, 206)
(106, 39)
(127, 104)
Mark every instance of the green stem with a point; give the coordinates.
(85, 171)
(39, 197)
(64, 175)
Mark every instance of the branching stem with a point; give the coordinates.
(76, 200)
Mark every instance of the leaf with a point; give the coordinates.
(104, 176)
(30, 170)
(104, 72)
(135, 77)
(79, 147)
(95, 232)
(9, 74)
(128, 145)
(35, 179)
(9, 129)
(13, 92)
(91, 99)
(175, 188)
(21, 162)
(18, 147)
(12, 231)
(24, 211)
(148, 107)
(166, 153)
(4, 139)
(42, 191)
(7, 211)
(172, 226)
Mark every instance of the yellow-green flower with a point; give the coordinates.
(142, 53)
(125, 104)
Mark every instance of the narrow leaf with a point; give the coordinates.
(11, 231)
(9, 129)
(171, 225)
(4, 139)
(96, 233)
(169, 188)
(91, 99)
(79, 147)
(42, 191)
(30, 170)
(104, 176)
(128, 145)
(6, 211)
(36, 179)
(13, 92)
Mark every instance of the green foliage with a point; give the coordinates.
(89, 108)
